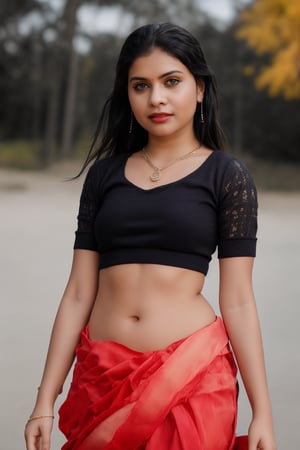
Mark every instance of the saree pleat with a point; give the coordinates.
(180, 398)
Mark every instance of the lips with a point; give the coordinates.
(160, 117)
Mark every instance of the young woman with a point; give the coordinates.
(154, 369)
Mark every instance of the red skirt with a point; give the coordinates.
(180, 398)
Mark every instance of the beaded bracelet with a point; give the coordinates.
(39, 417)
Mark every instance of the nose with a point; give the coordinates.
(157, 95)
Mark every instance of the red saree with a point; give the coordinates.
(179, 398)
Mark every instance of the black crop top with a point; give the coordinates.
(177, 224)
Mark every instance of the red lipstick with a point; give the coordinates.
(160, 117)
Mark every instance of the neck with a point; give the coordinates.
(168, 148)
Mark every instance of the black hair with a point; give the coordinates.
(113, 126)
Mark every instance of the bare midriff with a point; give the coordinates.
(148, 306)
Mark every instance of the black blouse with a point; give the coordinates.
(177, 224)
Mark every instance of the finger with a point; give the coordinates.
(31, 441)
(252, 444)
(45, 440)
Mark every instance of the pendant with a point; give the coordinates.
(155, 176)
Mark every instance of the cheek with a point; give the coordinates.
(133, 98)
(137, 107)
(187, 103)
(188, 95)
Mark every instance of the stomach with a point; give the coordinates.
(148, 306)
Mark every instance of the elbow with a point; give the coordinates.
(238, 302)
(80, 295)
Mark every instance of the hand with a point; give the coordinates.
(261, 435)
(37, 433)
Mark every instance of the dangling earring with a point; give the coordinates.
(131, 123)
(201, 113)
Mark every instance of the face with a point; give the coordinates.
(163, 94)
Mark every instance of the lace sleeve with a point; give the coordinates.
(237, 213)
(85, 238)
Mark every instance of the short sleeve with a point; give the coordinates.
(88, 206)
(237, 221)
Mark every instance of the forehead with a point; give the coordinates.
(155, 63)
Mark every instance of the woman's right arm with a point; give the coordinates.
(72, 315)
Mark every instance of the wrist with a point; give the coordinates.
(32, 417)
(261, 405)
(263, 414)
(43, 407)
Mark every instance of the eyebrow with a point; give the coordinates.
(171, 72)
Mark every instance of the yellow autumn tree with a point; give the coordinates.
(272, 27)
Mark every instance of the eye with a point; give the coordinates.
(172, 82)
(140, 86)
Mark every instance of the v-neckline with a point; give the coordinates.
(171, 183)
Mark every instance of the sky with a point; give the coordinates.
(108, 19)
(220, 9)
(113, 19)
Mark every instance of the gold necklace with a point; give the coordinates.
(156, 175)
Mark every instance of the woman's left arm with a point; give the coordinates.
(238, 309)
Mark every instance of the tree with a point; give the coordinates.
(62, 113)
(20, 61)
(272, 28)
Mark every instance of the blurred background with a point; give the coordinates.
(57, 60)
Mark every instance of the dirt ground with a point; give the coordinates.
(38, 217)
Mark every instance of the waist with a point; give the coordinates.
(146, 334)
(148, 307)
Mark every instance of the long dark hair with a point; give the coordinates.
(113, 127)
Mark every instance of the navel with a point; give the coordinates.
(135, 318)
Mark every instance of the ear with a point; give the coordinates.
(200, 91)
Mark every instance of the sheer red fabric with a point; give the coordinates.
(241, 443)
(179, 398)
